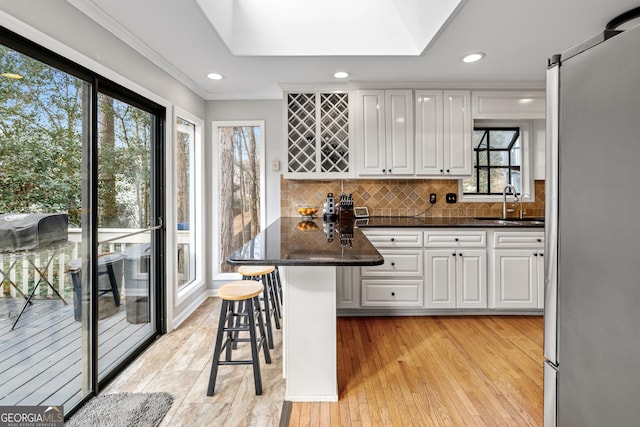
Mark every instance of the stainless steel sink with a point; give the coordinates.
(512, 221)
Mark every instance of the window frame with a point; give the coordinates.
(182, 293)
(526, 162)
(215, 178)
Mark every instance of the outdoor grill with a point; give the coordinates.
(20, 232)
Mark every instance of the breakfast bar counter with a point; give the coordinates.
(307, 252)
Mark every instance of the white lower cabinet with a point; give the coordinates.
(347, 287)
(456, 278)
(448, 269)
(392, 293)
(399, 282)
(517, 273)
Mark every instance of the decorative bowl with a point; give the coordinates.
(307, 211)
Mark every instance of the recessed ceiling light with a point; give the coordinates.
(12, 76)
(341, 75)
(215, 76)
(473, 57)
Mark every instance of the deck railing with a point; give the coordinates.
(20, 270)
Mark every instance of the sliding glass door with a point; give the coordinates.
(81, 240)
(126, 226)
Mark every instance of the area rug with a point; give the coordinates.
(123, 410)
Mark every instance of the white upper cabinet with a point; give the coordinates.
(443, 133)
(384, 132)
(502, 104)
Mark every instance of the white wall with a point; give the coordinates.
(58, 26)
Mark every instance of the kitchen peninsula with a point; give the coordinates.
(308, 252)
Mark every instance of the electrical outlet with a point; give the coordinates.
(451, 197)
(432, 198)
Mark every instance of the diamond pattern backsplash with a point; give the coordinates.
(385, 197)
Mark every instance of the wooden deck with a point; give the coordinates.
(42, 357)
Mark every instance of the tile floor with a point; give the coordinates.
(179, 363)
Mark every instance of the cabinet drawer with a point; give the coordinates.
(455, 239)
(397, 262)
(394, 238)
(392, 293)
(510, 239)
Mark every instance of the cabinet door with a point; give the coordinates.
(471, 278)
(457, 132)
(399, 132)
(370, 132)
(429, 145)
(347, 287)
(515, 278)
(509, 105)
(440, 289)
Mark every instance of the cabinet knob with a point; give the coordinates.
(539, 240)
(459, 254)
(448, 171)
(393, 239)
(541, 254)
(454, 254)
(384, 170)
(393, 264)
(441, 170)
(535, 254)
(456, 239)
(393, 294)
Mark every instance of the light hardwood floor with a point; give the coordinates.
(434, 371)
(392, 371)
(179, 363)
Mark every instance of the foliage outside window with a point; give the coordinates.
(497, 161)
(240, 188)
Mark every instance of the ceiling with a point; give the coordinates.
(189, 41)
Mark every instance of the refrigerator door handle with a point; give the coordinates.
(551, 216)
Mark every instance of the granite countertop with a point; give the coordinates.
(428, 222)
(294, 241)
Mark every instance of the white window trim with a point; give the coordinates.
(215, 176)
(527, 172)
(183, 293)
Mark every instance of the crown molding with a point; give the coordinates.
(102, 18)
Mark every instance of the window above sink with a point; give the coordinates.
(502, 155)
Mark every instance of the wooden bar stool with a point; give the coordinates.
(240, 299)
(264, 273)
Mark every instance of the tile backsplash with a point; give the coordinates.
(397, 197)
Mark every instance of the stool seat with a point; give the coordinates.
(240, 290)
(255, 270)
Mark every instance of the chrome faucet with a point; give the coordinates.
(504, 199)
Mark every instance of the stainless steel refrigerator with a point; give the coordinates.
(592, 289)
